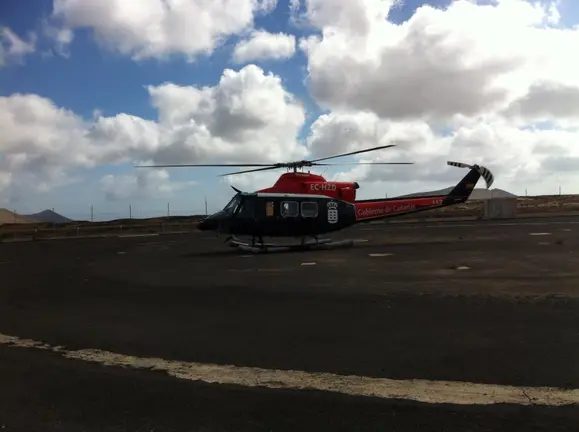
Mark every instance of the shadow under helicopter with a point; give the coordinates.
(285, 247)
(274, 245)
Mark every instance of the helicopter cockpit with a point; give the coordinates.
(233, 205)
(240, 206)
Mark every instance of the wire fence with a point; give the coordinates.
(104, 213)
(97, 214)
(20, 232)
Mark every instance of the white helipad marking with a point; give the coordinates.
(308, 263)
(540, 234)
(453, 392)
(380, 254)
(138, 235)
(447, 225)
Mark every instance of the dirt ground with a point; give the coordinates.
(479, 302)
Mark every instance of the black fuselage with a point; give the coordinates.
(281, 215)
(298, 215)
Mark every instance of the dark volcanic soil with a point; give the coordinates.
(395, 306)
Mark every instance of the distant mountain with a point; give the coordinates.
(477, 194)
(444, 191)
(9, 217)
(49, 216)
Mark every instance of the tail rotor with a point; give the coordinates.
(484, 172)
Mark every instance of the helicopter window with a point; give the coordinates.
(269, 209)
(232, 205)
(290, 209)
(309, 209)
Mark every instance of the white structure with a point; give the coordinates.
(500, 208)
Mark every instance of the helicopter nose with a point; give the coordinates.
(207, 224)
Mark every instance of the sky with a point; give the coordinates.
(91, 88)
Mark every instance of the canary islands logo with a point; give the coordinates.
(332, 212)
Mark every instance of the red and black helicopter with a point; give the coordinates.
(305, 205)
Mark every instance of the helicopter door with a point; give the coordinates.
(247, 209)
(290, 209)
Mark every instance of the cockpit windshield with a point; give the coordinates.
(232, 205)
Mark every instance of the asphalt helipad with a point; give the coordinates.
(440, 326)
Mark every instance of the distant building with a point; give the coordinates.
(485, 194)
(477, 194)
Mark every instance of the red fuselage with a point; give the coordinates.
(378, 209)
(306, 183)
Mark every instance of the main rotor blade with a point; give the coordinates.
(202, 165)
(248, 171)
(365, 163)
(355, 152)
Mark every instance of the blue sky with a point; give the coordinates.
(95, 78)
(92, 77)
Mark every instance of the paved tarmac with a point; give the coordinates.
(492, 303)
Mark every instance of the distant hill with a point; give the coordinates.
(9, 217)
(477, 194)
(444, 191)
(49, 216)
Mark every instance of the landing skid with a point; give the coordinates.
(306, 245)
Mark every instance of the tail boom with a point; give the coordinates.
(378, 209)
(383, 208)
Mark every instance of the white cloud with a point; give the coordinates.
(547, 101)
(519, 158)
(159, 28)
(61, 37)
(143, 185)
(469, 81)
(38, 141)
(13, 48)
(468, 59)
(262, 45)
(294, 6)
(248, 116)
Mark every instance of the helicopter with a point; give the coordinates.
(299, 182)
(260, 214)
(282, 209)
(302, 215)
